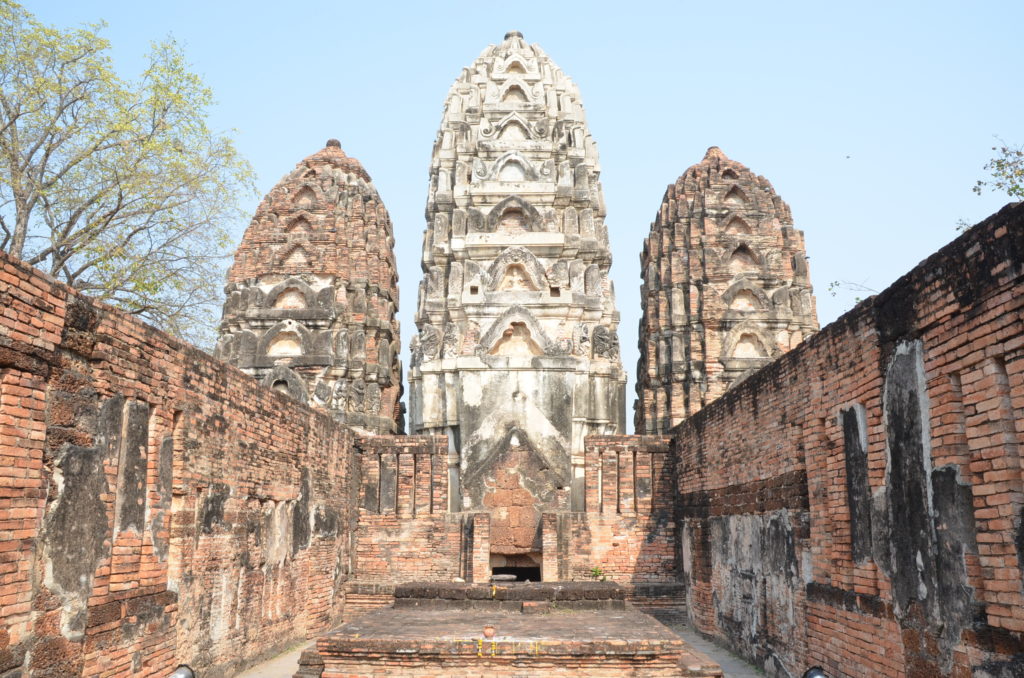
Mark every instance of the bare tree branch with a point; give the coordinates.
(117, 187)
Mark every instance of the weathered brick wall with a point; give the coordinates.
(857, 503)
(156, 506)
(405, 532)
(628, 528)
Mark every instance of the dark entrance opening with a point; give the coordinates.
(521, 573)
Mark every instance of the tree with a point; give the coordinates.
(118, 188)
(1007, 170)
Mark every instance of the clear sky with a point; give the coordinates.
(871, 119)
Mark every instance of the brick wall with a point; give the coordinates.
(156, 506)
(857, 504)
(627, 531)
(404, 530)
(628, 528)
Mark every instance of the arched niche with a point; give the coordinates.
(285, 339)
(296, 257)
(291, 294)
(514, 94)
(514, 131)
(749, 345)
(284, 380)
(299, 224)
(751, 294)
(515, 66)
(513, 166)
(735, 197)
(745, 301)
(516, 328)
(743, 260)
(528, 264)
(514, 91)
(512, 171)
(515, 278)
(514, 206)
(730, 174)
(513, 220)
(290, 299)
(746, 341)
(738, 225)
(548, 464)
(285, 344)
(516, 341)
(304, 198)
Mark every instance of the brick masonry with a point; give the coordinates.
(857, 504)
(627, 531)
(725, 289)
(156, 506)
(313, 292)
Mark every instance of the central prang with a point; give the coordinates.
(515, 286)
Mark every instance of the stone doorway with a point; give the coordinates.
(524, 566)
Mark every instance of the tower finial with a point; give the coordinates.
(715, 152)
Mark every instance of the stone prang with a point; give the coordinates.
(517, 352)
(313, 292)
(726, 290)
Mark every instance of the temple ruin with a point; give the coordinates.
(850, 498)
(517, 357)
(726, 290)
(312, 294)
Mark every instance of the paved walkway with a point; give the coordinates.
(281, 666)
(284, 665)
(732, 665)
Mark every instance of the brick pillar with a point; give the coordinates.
(480, 566)
(549, 547)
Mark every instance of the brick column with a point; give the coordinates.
(480, 565)
(549, 547)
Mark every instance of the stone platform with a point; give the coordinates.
(573, 629)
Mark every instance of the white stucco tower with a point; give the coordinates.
(517, 345)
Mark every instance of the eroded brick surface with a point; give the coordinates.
(157, 506)
(420, 642)
(312, 294)
(856, 503)
(725, 290)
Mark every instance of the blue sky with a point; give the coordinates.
(872, 120)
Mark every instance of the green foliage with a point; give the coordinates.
(117, 187)
(1007, 170)
(598, 574)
